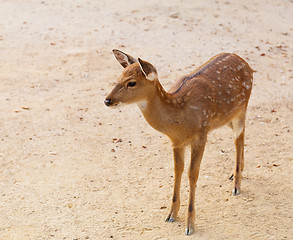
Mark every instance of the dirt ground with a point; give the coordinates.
(70, 168)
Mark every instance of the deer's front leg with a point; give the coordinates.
(178, 169)
(197, 149)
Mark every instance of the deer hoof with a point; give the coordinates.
(170, 218)
(189, 230)
(236, 191)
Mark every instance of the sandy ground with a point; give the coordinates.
(65, 173)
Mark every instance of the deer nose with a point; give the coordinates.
(108, 102)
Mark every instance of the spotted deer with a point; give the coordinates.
(213, 95)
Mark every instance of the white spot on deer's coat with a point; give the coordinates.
(239, 67)
(247, 86)
(194, 107)
(225, 58)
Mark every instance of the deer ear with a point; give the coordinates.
(148, 70)
(124, 59)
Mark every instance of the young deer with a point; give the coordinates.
(213, 95)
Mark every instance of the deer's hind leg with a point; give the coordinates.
(238, 126)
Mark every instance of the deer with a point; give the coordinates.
(213, 95)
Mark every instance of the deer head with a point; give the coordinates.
(135, 83)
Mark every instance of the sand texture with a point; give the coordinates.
(71, 168)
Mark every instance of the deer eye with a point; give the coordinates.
(131, 84)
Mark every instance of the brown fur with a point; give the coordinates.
(213, 95)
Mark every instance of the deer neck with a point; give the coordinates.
(154, 108)
(156, 97)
